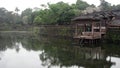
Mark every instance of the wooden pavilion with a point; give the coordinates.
(89, 27)
(95, 25)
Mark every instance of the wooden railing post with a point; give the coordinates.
(92, 29)
(76, 31)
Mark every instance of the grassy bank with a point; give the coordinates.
(65, 31)
(15, 27)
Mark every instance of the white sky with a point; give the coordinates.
(23, 4)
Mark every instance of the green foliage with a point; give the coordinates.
(113, 35)
(26, 16)
(27, 12)
(81, 5)
(59, 13)
(51, 14)
(8, 17)
(46, 16)
(105, 5)
(37, 20)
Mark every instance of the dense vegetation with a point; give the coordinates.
(59, 13)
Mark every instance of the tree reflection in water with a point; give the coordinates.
(60, 52)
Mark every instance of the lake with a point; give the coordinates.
(25, 50)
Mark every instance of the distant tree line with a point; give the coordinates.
(8, 17)
(51, 14)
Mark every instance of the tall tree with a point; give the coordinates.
(26, 16)
(104, 5)
(6, 16)
(59, 13)
(81, 5)
(17, 10)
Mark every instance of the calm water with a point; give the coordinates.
(24, 50)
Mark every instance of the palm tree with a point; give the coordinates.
(17, 10)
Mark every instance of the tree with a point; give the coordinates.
(45, 16)
(26, 16)
(17, 18)
(25, 19)
(6, 17)
(104, 5)
(17, 10)
(116, 7)
(59, 13)
(81, 5)
(37, 20)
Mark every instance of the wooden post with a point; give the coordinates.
(76, 30)
(92, 29)
(84, 28)
(100, 28)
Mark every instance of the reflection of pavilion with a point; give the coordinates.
(70, 56)
(93, 58)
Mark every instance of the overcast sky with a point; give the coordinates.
(23, 4)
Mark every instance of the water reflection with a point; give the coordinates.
(14, 54)
(29, 51)
(67, 56)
